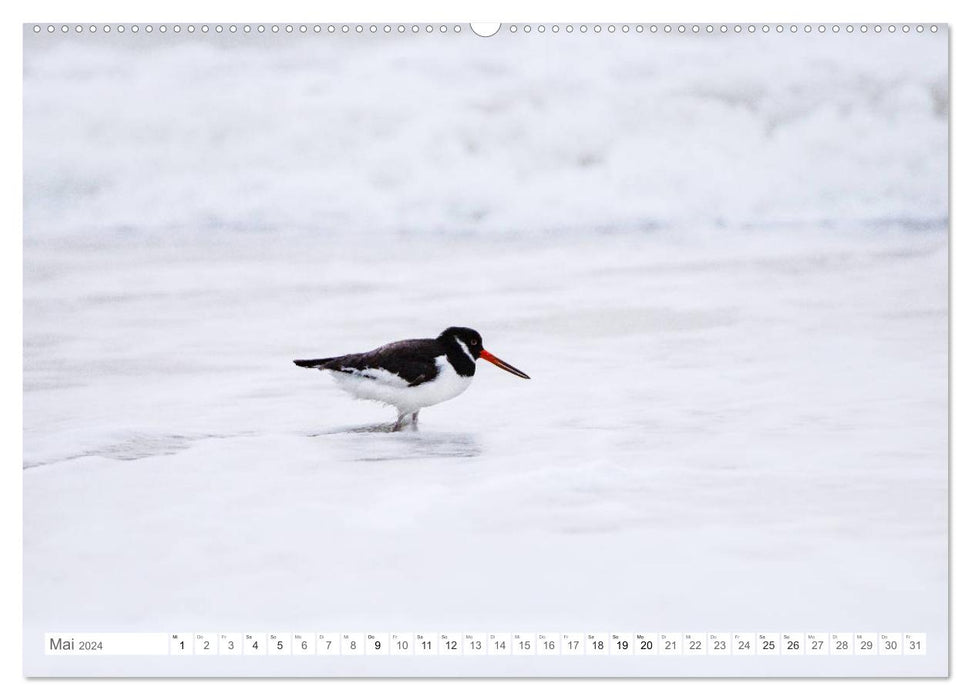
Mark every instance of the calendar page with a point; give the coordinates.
(544, 350)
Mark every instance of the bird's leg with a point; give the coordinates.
(399, 423)
(414, 420)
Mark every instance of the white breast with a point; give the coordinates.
(387, 387)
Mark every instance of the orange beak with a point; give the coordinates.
(489, 357)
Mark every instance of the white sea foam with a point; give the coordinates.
(514, 133)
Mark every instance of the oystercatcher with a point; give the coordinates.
(412, 374)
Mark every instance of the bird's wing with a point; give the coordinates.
(411, 361)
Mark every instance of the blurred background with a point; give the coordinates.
(452, 134)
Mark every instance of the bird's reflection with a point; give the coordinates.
(410, 444)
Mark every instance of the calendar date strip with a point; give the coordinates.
(487, 644)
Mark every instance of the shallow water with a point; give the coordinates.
(761, 435)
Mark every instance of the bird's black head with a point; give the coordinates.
(466, 336)
(465, 347)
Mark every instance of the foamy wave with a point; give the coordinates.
(456, 133)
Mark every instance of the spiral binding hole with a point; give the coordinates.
(682, 29)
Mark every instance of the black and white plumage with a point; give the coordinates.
(412, 374)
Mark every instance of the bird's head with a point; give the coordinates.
(470, 342)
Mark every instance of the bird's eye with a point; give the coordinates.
(475, 342)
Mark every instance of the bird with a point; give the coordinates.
(412, 374)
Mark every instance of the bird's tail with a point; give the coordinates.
(313, 364)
